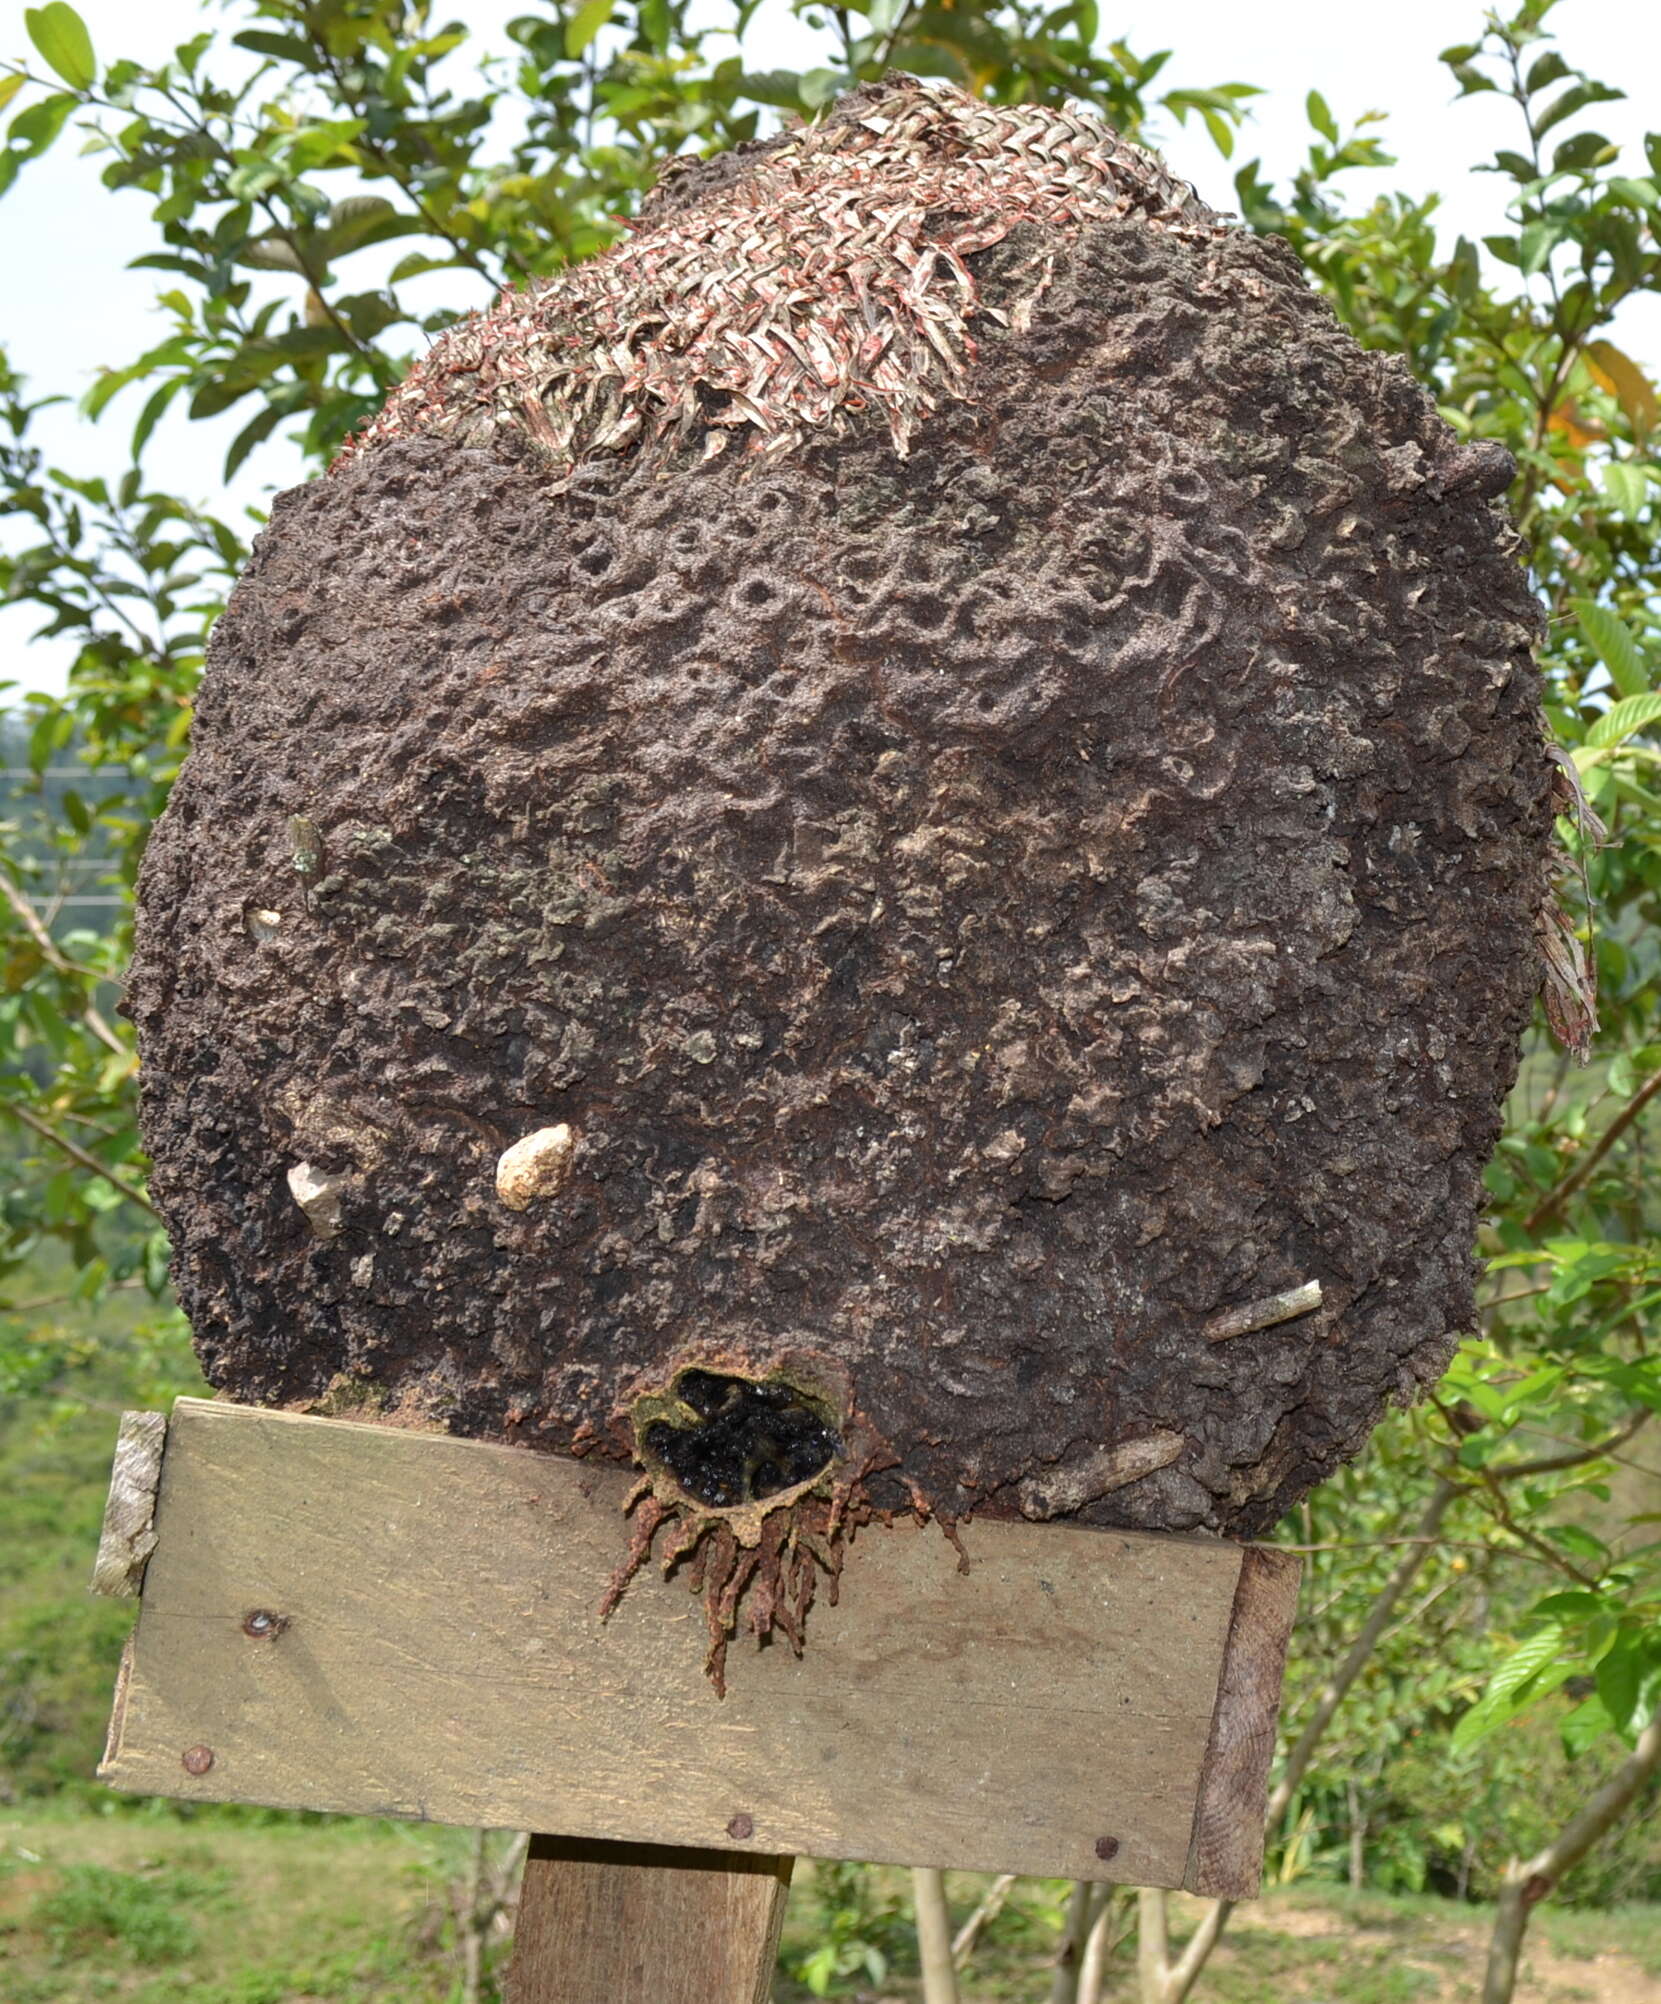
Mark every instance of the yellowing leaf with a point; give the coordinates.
(10, 86)
(1626, 383)
(1573, 426)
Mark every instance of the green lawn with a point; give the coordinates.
(146, 1905)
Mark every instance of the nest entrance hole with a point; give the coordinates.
(729, 1441)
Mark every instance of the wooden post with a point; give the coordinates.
(646, 1924)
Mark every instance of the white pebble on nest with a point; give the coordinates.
(535, 1167)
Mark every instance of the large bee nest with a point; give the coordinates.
(847, 836)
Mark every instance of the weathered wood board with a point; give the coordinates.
(645, 1924)
(347, 1617)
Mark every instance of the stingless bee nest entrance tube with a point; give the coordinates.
(744, 1470)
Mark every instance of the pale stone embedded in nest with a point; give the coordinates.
(319, 1196)
(536, 1166)
(1028, 856)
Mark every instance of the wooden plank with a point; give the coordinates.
(129, 1533)
(645, 1924)
(1227, 1847)
(355, 1618)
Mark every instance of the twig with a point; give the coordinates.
(1554, 1199)
(77, 1154)
(40, 1301)
(1550, 1464)
(1074, 1484)
(963, 1942)
(1536, 1544)
(1264, 1314)
(468, 1925)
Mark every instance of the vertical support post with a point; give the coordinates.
(604, 1923)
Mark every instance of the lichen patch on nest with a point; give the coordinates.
(828, 280)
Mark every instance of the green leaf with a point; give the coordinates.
(1575, 98)
(1627, 486)
(782, 88)
(1513, 1677)
(1584, 151)
(10, 86)
(1620, 1675)
(254, 433)
(35, 129)
(584, 25)
(1321, 117)
(1641, 194)
(820, 86)
(1471, 79)
(150, 416)
(281, 48)
(1539, 239)
(1622, 719)
(1547, 70)
(60, 35)
(1613, 642)
(271, 254)
(1584, 1726)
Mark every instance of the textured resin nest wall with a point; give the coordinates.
(841, 829)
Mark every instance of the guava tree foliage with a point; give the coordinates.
(307, 177)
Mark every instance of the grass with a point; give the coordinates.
(154, 1908)
(136, 1904)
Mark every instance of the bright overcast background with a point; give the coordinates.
(71, 308)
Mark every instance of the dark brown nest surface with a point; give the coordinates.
(951, 774)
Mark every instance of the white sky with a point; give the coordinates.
(72, 308)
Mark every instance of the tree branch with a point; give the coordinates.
(963, 1942)
(29, 918)
(1070, 1954)
(1532, 1880)
(90, 1163)
(1553, 1201)
(1550, 1464)
(934, 1936)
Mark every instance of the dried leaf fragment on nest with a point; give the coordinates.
(1569, 980)
(829, 256)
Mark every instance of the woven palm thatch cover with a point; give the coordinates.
(836, 832)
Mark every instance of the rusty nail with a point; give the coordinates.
(263, 1625)
(197, 1760)
(1107, 1847)
(742, 1826)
